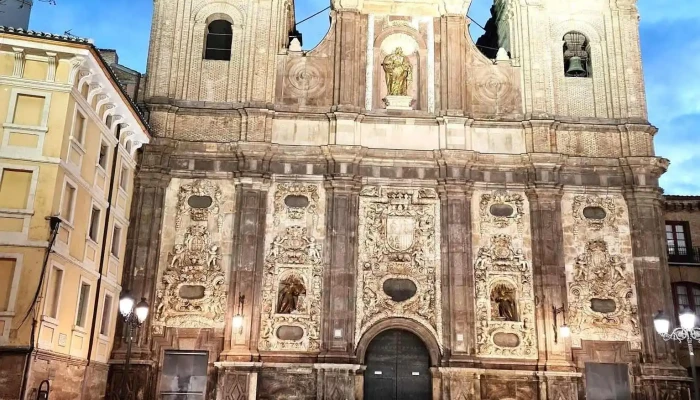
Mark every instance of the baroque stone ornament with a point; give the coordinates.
(295, 201)
(292, 291)
(200, 199)
(601, 297)
(399, 240)
(595, 212)
(292, 277)
(505, 311)
(192, 291)
(501, 209)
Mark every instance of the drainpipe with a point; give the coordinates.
(54, 223)
(103, 248)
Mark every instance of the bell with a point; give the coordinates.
(576, 67)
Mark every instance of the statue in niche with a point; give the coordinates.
(504, 299)
(398, 71)
(291, 296)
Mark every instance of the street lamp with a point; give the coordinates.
(134, 316)
(686, 332)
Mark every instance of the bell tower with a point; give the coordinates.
(580, 59)
(204, 54)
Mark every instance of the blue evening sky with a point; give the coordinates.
(670, 33)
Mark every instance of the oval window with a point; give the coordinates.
(296, 201)
(199, 201)
(501, 210)
(594, 212)
(191, 292)
(399, 289)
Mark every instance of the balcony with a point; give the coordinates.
(684, 255)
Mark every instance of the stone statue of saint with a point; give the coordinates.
(398, 71)
(506, 304)
(289, 293)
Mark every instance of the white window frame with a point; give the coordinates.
(71, 182)
(106, 144)
(124, 170)
(106, 336)
(99, 223)
(54, 320)
(9, 127)
(24, 214)
(116, 226)
(77, 305)
(8, 315)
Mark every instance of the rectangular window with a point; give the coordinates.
(124, 178)
(79, 128)
(7, 274)
(15, 187)
(102, 158)
(184, 375)
(53, 294)
(607, 381)
(83, 299)
(67, 202)
(28, 110)
(676, 238)
(106, 315)
(116, 240)
(94, 223)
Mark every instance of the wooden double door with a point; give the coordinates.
(398, 368)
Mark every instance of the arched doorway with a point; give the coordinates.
(398, 367)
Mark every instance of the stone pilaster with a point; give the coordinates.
(246, 269)
(650, 267)
(342, 205)
(350, 27)
(457, 271)
(452, 61)
(548, 269)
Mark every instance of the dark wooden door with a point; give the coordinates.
(398, 368)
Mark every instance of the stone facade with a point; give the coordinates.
(503, 190)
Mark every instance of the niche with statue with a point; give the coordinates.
(504, 302)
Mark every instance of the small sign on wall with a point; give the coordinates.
(62, 339)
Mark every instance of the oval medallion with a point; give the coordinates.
(199, 201)
(191, 292)
(504, 339)
(296, 201)
(594, 212)
(501, 210)
(605, 306)
(399, 289)
(290, 332)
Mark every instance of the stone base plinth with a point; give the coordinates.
(398, 102)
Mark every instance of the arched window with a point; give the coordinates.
(577, 55)
(219, 39)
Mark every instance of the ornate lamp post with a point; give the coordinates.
(686, 332)
(134, 316)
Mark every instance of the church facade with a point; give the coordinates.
(394, 214)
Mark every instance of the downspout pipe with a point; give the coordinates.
(54, 224)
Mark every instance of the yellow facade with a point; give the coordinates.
(62, 111)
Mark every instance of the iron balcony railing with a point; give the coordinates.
(690, 255)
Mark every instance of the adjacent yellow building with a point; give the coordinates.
(67, 149)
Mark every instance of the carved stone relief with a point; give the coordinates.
(292, 281)
(505, 309)
(602, 303)
(399, 240)
(193, 284)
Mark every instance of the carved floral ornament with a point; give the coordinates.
(192, 291)
(595, 212)
(504, 301)
(602, 302)
(292, 291)
(399, 244)
(292, 280)
(501, 209)
(295, 200)
(201, 199)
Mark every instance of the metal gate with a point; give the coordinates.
(398, 368)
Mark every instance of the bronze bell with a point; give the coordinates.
(576, 67)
